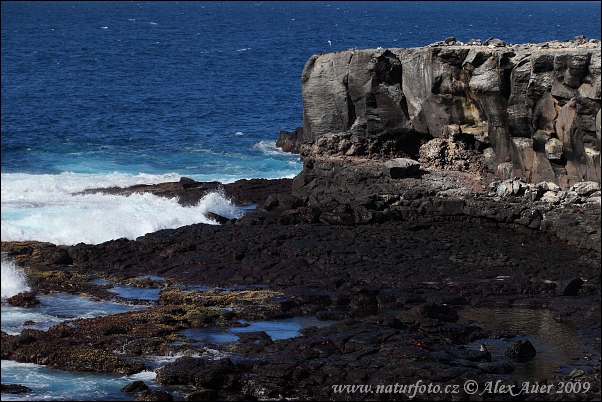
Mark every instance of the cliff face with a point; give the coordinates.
(527, 111)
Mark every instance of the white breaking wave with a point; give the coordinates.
(142, 376)
(13, 279)
(268, 148)
(43, 208)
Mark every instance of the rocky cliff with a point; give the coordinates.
(530, 111)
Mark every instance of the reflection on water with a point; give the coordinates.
(276, 329)
(556, 343)
(130, 292)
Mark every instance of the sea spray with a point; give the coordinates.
(51, 212)
(13, 279)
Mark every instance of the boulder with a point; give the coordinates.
(509, 187)
(216, 217)
(23, 299)
(569, 287)
(135, 387)
(289, 142)
(586, 188)
(15, 389)
(521, 349)
(494, 42)
(199, 372)
(401, 167)
(550, 197)
(482, 355)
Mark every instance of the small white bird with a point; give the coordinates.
(330, 43)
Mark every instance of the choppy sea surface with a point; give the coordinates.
(102, 94)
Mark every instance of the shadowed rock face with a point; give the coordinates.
(533, 110)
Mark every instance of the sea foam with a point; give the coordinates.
(13, 279)
(44, 208)
(268, 148)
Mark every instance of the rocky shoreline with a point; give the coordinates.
(438, 257)
(403, 219)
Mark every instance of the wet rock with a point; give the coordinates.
(202, 395)
(15, 389)
(401, 167)
(438, 312)
(521, 349)
(154, 396)
(482, 355)
(577, 372)
(569, 287)
(199, 372)
(135, 387)
(501, 367)
(23, 299)
(216, 217)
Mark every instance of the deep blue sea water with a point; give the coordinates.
(99, 94)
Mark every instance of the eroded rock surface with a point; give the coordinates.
(529, 111)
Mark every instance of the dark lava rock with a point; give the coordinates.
(240, 398)
(15, 389)
(23, 299)
(202, 395)
(217, 218)
(289, 142)
(401, 167)
(135, 387)
(570, 287)
(196, 371)
(502, 367)
(154, 396)
(482, 355)
(438, 312)
(521, 349)
(59, 256)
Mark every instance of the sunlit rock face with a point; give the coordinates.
(530, 111)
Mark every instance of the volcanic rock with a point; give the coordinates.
(401, 167)
(569, 287)
(289, 142)
(15, 389)
(23, 299)
(521, 349)
(135, 387)
(196, 371)
(154, 396)
(535, 109)
(438, 312)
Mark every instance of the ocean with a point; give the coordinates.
(102, 94)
